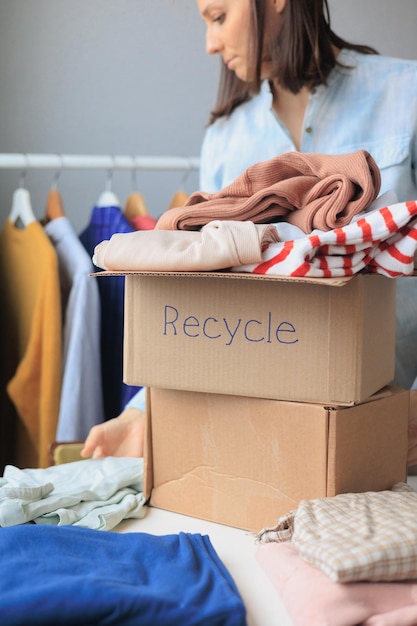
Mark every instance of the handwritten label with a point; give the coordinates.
(228, 330)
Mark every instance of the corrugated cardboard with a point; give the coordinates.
(310, 340)
(244, 462)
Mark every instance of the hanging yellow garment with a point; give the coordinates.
(32, 327)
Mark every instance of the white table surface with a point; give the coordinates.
(236, 548)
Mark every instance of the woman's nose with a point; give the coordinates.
(213, 44)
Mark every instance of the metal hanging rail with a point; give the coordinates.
(25, 161)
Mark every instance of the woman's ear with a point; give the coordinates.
(279, 5)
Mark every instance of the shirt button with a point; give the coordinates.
(309, 129)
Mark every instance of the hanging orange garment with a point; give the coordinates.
(32, 328)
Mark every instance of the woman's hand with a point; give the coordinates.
(120, 436)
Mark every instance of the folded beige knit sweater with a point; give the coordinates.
(308, 190)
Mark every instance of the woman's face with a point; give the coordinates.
(228, 33)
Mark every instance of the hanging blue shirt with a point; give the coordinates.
(105, 221)
(368, 104)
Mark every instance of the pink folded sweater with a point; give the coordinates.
(308, 190)
(312, 599)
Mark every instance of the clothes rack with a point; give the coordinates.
(25, 161)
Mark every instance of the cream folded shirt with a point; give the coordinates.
(352, 537)
(218, 245)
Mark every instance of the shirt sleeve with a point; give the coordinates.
(138, 401)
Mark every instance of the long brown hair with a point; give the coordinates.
(302, 53)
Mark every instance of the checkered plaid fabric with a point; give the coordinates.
(360, 536)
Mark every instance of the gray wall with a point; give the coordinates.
(388, 25)
(128, 77)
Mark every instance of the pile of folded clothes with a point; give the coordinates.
(295, 215)
(347, 560)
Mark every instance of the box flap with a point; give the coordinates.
(223, 274)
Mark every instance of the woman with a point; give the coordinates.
(288, 82)
(295, 85)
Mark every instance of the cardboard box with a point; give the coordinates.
(330, 341)
(244, 462)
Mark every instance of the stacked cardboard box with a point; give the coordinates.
(264, 390)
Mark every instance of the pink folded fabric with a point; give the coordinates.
(383, 241)
(312, 599)
(309, 190)
(219, 245)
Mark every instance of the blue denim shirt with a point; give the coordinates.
(369, 104)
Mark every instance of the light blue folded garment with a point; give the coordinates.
(95, 493)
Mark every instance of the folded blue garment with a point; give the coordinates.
(71, 576)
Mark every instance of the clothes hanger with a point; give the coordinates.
(54, 206)
(135, 205)
(107, 197)
(21, 213)
(136, 211)
(179, 198)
